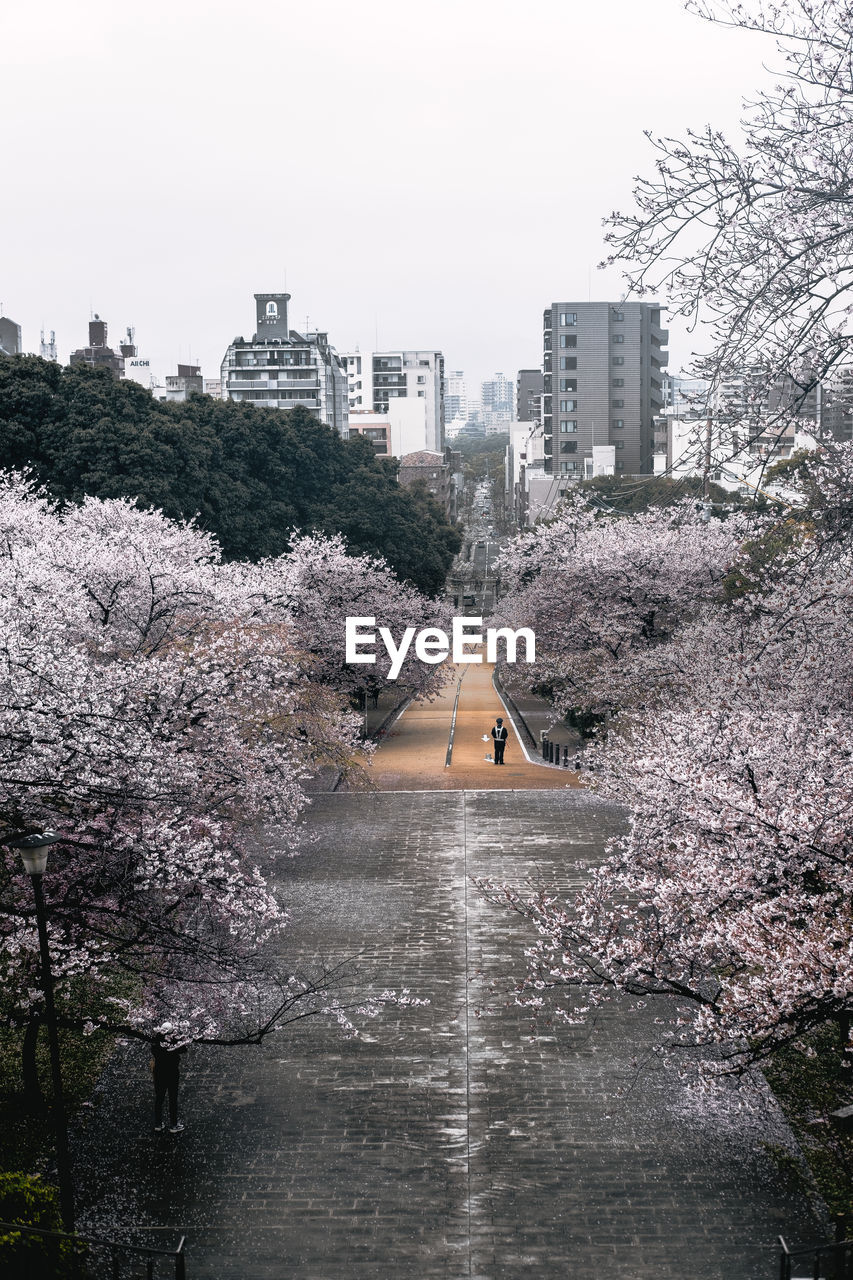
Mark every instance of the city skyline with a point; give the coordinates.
(158, 197)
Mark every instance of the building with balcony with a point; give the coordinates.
(455, 397)
(375, 427)
(497, 398)
(529, 386)
(602, 386)
(280, 368)
(408, 386)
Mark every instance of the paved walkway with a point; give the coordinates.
(414, 749)
(444, 1144)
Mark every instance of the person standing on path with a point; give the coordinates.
(500, 735)
(165, 1065)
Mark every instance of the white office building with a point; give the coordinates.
(408, 387)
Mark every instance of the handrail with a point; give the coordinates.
(816, 1253)
(147, 1251)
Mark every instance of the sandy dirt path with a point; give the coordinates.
(412, 755)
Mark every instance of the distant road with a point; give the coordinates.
(412, 757)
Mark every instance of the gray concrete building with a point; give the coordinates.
(99, 354)
(280, 368)
(10, 337)
(603, 385)
(529, 387)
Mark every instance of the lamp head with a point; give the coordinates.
(33, 850)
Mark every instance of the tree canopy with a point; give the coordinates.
(160, 711)
(250, 476)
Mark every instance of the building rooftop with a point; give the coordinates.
(422, 458)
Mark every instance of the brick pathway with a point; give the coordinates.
(441, 1145)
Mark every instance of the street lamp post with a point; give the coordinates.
(33, 850)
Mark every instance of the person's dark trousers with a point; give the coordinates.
(165, 1081)
(500, 744)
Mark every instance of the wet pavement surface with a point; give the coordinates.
(444, 1142)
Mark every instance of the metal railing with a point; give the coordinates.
(817, 1262)
(88, 1257)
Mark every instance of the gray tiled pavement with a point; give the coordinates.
(443, 1143)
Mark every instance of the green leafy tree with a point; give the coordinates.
(250, 476)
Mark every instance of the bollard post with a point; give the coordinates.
(544, 747)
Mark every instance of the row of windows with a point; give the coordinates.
(571, 362)
(568, 425)
(567, 468)
(571, 317)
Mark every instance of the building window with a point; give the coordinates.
(618, 382)
(618, 404)
(618, 337)
(568, 318)
(568, 466)
(568, 446)
(421, 379)
(618, 423)
(618, 315)
(620, 466)
(568, 362)
(568, 384)
(422, 394)
(568, 424)
(619, 444)
(568, 406)
(618, 359)
(568, 339)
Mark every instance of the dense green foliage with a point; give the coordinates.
(248, 475)
(481, 455)
(811, 1078)
(28, 1200)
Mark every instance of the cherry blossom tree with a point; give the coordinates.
(601, 592)
(751, 237)
(316, 587)
(163, 724)
(730, 891)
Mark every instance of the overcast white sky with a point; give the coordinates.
(435, 174)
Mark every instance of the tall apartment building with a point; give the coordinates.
(529, 386)
(837, 403)
(281, 368)
(498, 401)
(381, 380)
(603, 367)
(47, 346)
(455, 397)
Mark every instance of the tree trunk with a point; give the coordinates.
(29, 1069)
